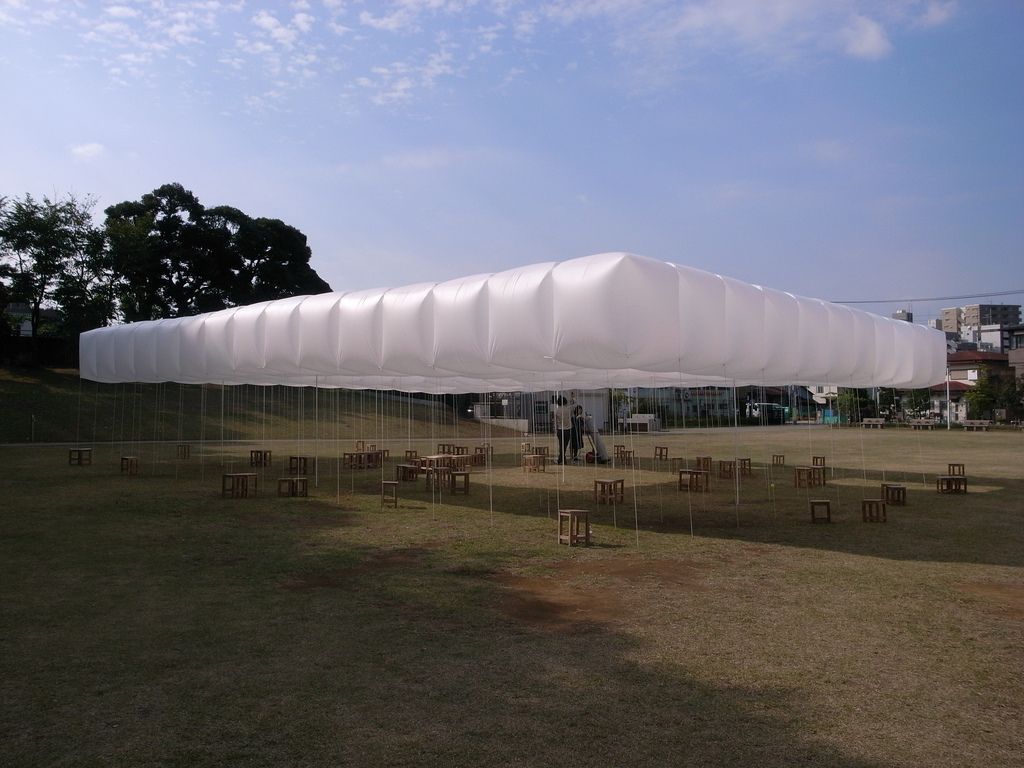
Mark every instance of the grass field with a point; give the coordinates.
(147, 621)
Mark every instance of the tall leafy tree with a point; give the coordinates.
(177, 257)
(273, 257)
(990, 392)
(85, 293)
(171, 262)
(40, 241)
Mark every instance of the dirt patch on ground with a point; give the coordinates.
(583, 596)
(344, 577)
(1003, 599)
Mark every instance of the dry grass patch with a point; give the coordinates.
(147, 621)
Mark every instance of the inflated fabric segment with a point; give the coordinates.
(610, 320)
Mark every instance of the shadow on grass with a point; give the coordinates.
(135, 635)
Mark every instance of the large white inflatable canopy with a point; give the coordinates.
(610, 320)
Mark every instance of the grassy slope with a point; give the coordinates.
(146, 621)
(50, 405)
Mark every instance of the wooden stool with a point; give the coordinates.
(660, 454)
(389, 493)
(895, 494)
(232, 485)
(744, 467)
(625, 458)
(609, 491)
(802, 477)
(534, 462)
(297, 465)
(460, 450)
(817, 505)
(406, 472)
(184, 451)
(130, 464)
(259, 458)
(293, 486)
(574, 527)
(778, 459)
(694, 480)
(617, 449)
(411, 454)
(704, 462)
(873, 510)
(541, 450)
(955, 469)
(726, 469)
(951, 484)
(817, 461)
(817, 475)
(79, 457)
(438, 478)
(360, 445)
(458, 487)
(236, 484)
(525, 448)
(445, 448)
(676, 463)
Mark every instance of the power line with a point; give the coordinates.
(933, 298)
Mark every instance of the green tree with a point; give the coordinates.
(170, 261)
(854, 404)
(917, 403)
(990, 392)
(85, 294)
(40, 241)
(887, 403)
(6, 274)
(273, 257)
(177, 257)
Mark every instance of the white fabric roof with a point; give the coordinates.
(614, 319)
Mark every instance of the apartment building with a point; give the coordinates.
(976, 315)
(981, 324)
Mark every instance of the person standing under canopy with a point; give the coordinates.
(563, 426)
(576, 432)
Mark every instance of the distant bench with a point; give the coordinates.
(976, 424)
(922, 423)
(868, 423)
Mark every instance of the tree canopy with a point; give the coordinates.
(163, 255)
(176, 257)
(53, 254)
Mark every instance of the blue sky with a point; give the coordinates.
(842, 149)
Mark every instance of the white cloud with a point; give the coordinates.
(303, 22)
(937, 13)
(398, 21)
(121, 11)
(438, 64)
(112, 29)
(86, 152)
(284, 35)
(865, 38)
(398, 91)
